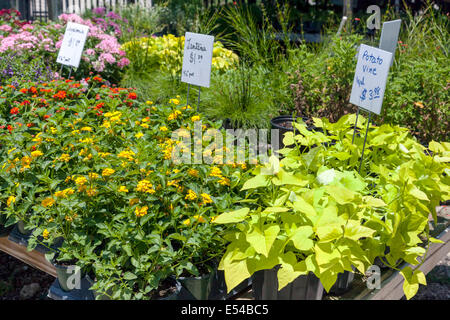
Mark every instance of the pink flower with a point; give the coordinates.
(90, 52)
(6, 28)
(108, 57)
(123, 62)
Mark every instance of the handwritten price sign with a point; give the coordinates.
(73, 44)
(370, 78)
(197, 59)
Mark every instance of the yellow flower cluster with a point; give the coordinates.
(174, 115)
(47, 202)
(64, 157)
(191, 195)
(145, 186)
(123, 189)
(45, 234)
(197, 217)
(11, 199)
(206, 198)
(64, 193)
(140, 212)
(93, 175)
(107, 172)
(36, 153)
(195, 118)
(216, 172)
(193, 173)
(126, 154)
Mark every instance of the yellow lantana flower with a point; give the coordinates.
(47, 202)
(45, 234)
(107, 172)
(191, 195)
(140, 212)
(36, 153)
(11, 199)
(123, 189)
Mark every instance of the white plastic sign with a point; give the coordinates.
(370, 78)
(73, 44)
(197, 59)
(389, 35)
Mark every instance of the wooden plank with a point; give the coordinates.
(32, 258)
(394, 288)
(392, 281)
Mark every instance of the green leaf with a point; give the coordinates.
(373, 202)
(256, 182)
(418, 194)
(262, 242)
(329, 232)
(284, 178)
(434, 240)
(235, 272)
(129, 276)
(232, 216)
(301, 205)
(354, 230)
(411, 283)
(341, 195)
(300, 238)
(290, 269)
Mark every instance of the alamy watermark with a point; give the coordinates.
(223, 146)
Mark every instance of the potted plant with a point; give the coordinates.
(314, 213)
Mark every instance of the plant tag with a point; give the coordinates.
(197, 59)
(73, 44)
(389, 36)
(370, 78)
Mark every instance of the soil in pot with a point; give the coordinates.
(284, 124)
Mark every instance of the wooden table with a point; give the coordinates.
(33, 258)
(391, 280)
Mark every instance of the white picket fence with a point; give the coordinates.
(80, 6)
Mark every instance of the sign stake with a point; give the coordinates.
(198, 104)
(187, 100)
(364, 145)
(354, 129)
(70, 72)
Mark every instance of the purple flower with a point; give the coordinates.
(113, 15)
(99, 11)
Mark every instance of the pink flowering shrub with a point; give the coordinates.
(102, 54)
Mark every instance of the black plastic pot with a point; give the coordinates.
(219, 288)
(4, 231)
(64, 275)
(305, 287)
(56, 292)
(276, 123)
(343, 282)
(199, 287)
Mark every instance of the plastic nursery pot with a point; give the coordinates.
(219, 289)
(199, 287)
(4, 231)
(305, 287)
(21, 228)
(343, 282)
(67, 275)
(284, 124)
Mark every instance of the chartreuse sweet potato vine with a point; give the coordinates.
(313, 212)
